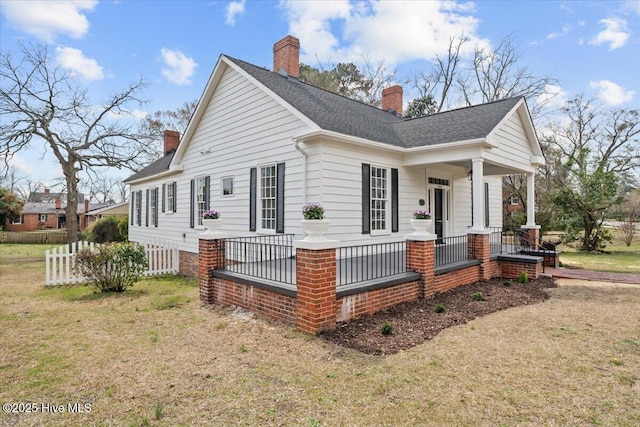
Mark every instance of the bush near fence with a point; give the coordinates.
(33, 237)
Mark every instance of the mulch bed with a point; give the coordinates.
(416, 322)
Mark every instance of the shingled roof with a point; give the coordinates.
(336, 113)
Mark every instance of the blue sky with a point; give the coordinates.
(590, 47)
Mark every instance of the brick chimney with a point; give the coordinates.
(286, 56)
(392, 99)
(58, 202)
(171, 140)
(46, 191)
(86, 205)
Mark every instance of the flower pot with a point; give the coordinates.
(420, 226)
(314, 229)
(211, 225)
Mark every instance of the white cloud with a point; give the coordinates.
(615, 33)
(611, 93)
(565, 30)
(393, 31)
(19, 163)
(553, 96)
(47, 19)
(75, 61)
(234, 9)
(178, 67)
(631, 6)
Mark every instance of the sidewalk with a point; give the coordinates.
(602, 276)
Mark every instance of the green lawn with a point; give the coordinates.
(154, 356)
(617, 257)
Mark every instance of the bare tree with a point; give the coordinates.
(378, 75)
(439, 82)
(496, 74)
(107, 190)
(43, 105)
(155, 124)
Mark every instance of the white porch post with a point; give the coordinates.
(531, 203)
(477, 189)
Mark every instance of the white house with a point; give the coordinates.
(262, 143)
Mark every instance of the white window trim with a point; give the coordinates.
(168, 208)
(153, 206)
(43, 218)
(196, 209)
(387, 199)
(18, 221)
(260, 228)
(233, 190)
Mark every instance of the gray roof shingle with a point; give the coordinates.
(160, 165)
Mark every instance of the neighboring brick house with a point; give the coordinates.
(45, 211)
(120, 210)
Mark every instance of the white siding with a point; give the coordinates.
(241, 128)
(514, 148)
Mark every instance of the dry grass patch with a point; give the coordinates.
(155, 356)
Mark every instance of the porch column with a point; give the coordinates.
(316, 270)
(477, 190)
(531, 202)
(211, 255)
(421, 258)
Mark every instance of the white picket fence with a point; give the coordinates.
(162, 258)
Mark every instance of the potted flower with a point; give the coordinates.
(421, 221)
(314, 224)
(211, 220)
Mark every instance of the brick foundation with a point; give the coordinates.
(512, 269)
(271, 304)
(188, 263)
(369, 302)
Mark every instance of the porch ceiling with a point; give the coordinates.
(489, 168)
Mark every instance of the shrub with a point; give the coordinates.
(507, 283)
(523, 278)
(123, 228)
(440, 308)
(478, 296)
(387, 328)
(111, 267)
(107, 230)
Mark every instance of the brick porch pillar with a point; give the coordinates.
(479, 245)
(316, 286)
(421, 257)
(211, 255)
(531, 234)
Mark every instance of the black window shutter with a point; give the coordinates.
(280, 198)
(133, 206)
(139, 207)
(207, 200)
(191, 205)
(394, 201)
(146, 209)
(155, 219)
(175, 196)
(486, 204)
(164, 192)
(366, 198)
(253, 190)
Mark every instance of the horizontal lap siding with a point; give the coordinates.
(241, 128)
(515, 149)
(338, 169)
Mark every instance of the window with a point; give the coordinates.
(513, 200)
(18, 221)
(43, 217)
(268, 197)
(379, 198)
(227, 186)
(153, 207)
(201, 198)
(171, 196)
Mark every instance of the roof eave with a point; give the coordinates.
(171, 171)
